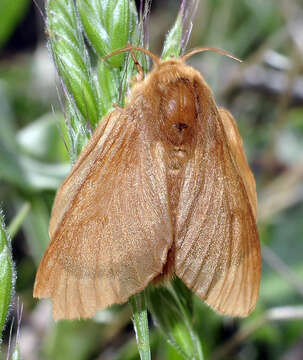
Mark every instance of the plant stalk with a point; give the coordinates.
(140, 321)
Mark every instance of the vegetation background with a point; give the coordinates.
(265, 95)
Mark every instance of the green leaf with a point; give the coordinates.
(18, 220)
(28, 173)
(11, 12)
(172, 44)
(76, 340)
(10, 168)
(107, 26)
(36, 226)
(78, 132)
(7, 128)
(6, 273)
(71, 57)
(42, 138)
(108, 79)
(41, 176)
(111, 25)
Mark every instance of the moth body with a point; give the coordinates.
(163, 187)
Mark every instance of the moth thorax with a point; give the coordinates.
(178, 126)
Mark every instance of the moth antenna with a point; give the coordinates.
(202, 49)
(154, 57)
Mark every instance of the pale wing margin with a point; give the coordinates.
(217, 245)
(114, 235)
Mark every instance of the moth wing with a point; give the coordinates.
(110, 227)
(217, 245)
(235, 145)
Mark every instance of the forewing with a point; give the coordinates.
(110, 228)
(235, 145)
(217, 245)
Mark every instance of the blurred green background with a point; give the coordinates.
(265, 95)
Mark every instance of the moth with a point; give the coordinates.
(162, 189)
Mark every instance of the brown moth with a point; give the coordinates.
(162, 188)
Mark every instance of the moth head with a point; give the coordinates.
(159, 64)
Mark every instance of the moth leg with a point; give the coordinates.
(140, 75)
(117, 107)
